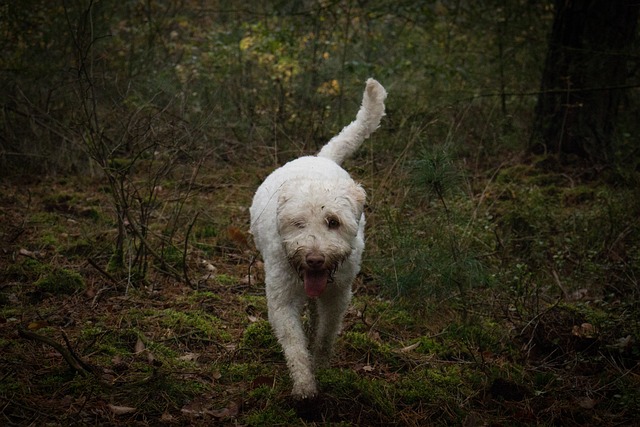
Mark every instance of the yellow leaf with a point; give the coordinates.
(36, 325)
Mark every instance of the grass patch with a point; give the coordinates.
(60, 281)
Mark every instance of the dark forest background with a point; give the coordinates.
(501, 278)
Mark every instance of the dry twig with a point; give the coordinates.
(73, 360)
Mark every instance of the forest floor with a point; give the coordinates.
(80, 345)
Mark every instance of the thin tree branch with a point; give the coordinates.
(74, 361)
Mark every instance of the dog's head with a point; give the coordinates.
(318, 222)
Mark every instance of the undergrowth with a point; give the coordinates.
(509, 299)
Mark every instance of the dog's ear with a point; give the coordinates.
(357, 197)
(283, 194)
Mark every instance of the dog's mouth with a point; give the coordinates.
(315, 282)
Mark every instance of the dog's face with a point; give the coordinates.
(318, 222)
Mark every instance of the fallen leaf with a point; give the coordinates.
(206, 265)
(194, 408)
(90, 292)
(623, 343)
(586, 403)
(229, 411)
(585, 330)
(578, 295)
(36, 325)
(189, 357)
(247, 279)
(121, 410)
(237, 236)
(375, 335)
(410, 347)
(26, 252)
(140, 347)
(167, 418)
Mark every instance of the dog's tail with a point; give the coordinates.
(351, 137)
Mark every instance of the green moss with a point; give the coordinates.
(271, 416)
(78, 249)
(27, 271)
(262, 392)
(237, 372)
(389, 314)
(447, 383)
(106, 343)
(44, 218)
(116, 262)
(9, 311)
(200, 296)
(257, 302)
(54, 199)
(173, 389)
(53, 381)
(48, 240)
(91, 213)
(428, 345)
(345, 383)
(259, 336)
(10, 386)
(206, 231)
(197, 322)
(475, 335)
(253, 299)
(225, 279)
(513, 174)
(173, 256)
(120, 164)
(61, 282)
(159, 350)
(363, 346)
(207, 249)
(341, 382)
(577, 195)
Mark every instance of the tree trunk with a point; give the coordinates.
(584, 78)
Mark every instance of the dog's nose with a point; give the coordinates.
(315, 261)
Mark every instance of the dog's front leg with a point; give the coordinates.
(330, 309)
(286, 322)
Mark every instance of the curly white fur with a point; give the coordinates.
(307, 220)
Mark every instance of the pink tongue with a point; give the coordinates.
(315, 282)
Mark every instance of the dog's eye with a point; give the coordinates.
(333, 223)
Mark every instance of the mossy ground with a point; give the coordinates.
(549, 334)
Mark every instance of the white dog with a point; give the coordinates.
(307, 220)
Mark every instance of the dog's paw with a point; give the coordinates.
(310, 410)
(304, 390)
